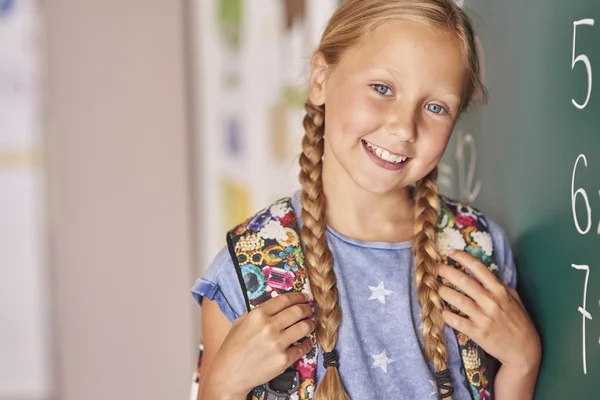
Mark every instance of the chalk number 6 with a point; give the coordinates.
(584, 59)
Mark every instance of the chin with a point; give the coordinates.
(379, 186)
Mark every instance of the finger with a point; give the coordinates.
(515, 295)
(293, 314)
(460, 301)
(296, 351)
(459, 323)
(478, 270)
(277, 304)
(464, 282)
(297, 331)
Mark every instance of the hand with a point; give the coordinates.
(497, 321)
(260, 344)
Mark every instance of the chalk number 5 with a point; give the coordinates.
(584, 59)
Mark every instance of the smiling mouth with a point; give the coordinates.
(384, 154)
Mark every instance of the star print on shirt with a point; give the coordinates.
(434, 390)
(381, 361)
(379, 292)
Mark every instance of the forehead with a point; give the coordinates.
(408, 49)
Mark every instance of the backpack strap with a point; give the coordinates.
(462, 227)
(269, 261)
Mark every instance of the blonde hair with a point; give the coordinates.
(350, 25)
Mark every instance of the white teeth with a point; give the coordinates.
(385, 155)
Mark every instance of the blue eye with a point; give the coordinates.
(382, 89)
(436, 108)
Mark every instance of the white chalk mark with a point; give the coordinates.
(585, 314)
(445, 169)
(584, 195)
(466, 181)
(445, 175)
(599, 221)
(445, 181)
(584, 59)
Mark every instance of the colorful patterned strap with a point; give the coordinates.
(269, 261)
(462, 227)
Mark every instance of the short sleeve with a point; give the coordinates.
(220, 283)
(504, 256)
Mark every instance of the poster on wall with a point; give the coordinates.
(252, 61)
(24, 297)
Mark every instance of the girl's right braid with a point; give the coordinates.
(318, 256)
(426, 259)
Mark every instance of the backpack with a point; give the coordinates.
(267, 253)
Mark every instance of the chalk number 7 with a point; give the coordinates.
(584, 59)
(585, 313)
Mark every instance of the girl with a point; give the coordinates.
(388, 82)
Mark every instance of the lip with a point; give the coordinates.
(391, 152)
(382, 163)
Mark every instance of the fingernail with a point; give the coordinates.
(452, 251)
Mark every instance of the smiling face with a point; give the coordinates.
(391, 104)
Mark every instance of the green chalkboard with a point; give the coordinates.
(530, 160)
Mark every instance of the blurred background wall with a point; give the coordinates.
(132, 135)
(120, 199)
(24, 290)
(251, 67)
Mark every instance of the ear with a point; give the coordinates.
(318, 79)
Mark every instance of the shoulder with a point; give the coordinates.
(464, 215)
(504, 255)
(221, 284)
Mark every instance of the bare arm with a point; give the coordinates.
(215, 327)
(515, 385)
(256, 348)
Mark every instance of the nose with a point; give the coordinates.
(402, 121)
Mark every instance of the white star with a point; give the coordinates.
(379, 293)
(434, 390)
(381, 361)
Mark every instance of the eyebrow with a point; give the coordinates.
(386, 69)
(455, 95)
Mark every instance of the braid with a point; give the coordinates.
(426, 258)
(318, 256)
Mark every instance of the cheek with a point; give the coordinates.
(434, 144)
(354, 114)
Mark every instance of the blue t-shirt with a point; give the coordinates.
(380, 341)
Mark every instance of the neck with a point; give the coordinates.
(359, 214)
